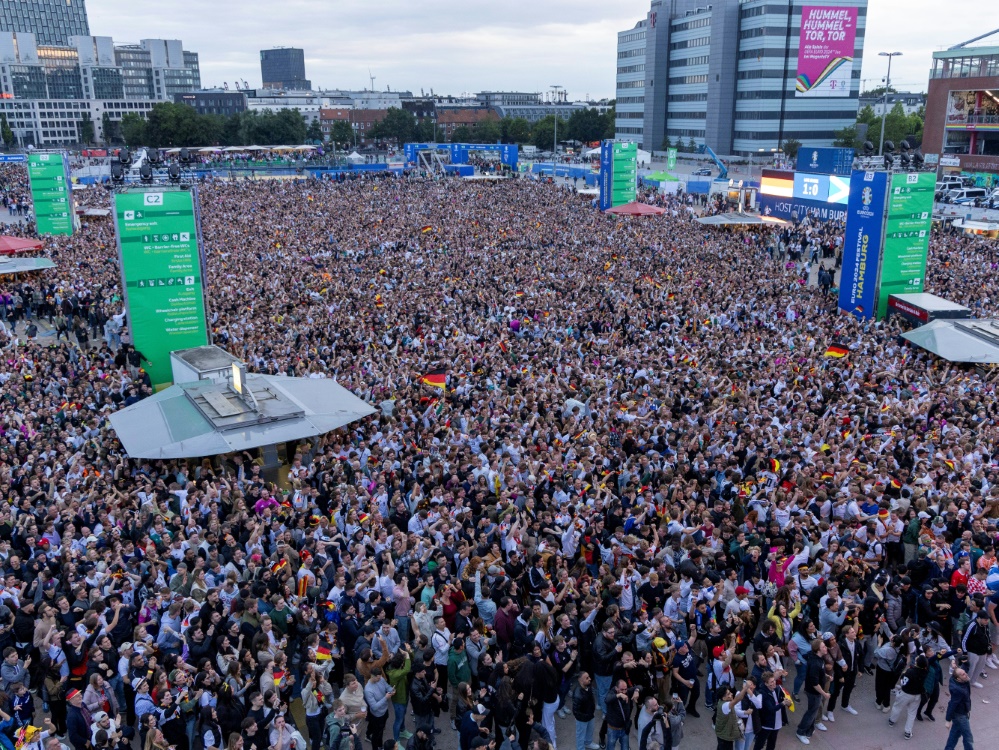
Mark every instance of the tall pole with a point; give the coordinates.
(555, 89)
(884, 106)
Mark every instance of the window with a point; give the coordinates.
(702, 41)
(631, 85)
(632, 69)
(680, 80)
(687, 97)
(700, 60)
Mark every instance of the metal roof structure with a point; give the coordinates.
(205, 418)
(23, 265)
(974, 341)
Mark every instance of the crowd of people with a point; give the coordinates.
(644, 498)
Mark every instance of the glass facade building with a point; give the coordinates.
(51, 21)
(284, 68)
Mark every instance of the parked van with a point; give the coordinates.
(964, 196)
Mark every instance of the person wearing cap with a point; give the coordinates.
(78, 720)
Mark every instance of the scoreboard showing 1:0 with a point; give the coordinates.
(813, 187)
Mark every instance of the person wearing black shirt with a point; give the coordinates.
(619, 706)
(685, 665)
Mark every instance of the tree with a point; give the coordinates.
(86, 129)
(790, 147)
(877, 92)
(515, 130)
(109, 128)
(133, 129)
(341, 133)
(399, 124)
(314, 133)
(667, 144)
(585, 125)
(487, 131)
(543, 132)
(609, 117)
(461, 134)
(847, 138)
(6, 134)
(425, 131)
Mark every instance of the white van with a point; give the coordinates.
(962, 196)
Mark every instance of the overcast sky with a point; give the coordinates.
(454, 46)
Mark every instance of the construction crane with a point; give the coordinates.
(722, 169)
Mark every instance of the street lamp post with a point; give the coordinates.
(555, 89)
(884, 107)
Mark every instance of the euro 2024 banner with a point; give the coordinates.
(825, 51)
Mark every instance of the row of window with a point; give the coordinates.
(624, 54)
(631, 100)
(749, 75)
(761, 10)
(685, 133)
(680, 80)
(629, 115)
(699, 60)
(772, 135)
(830, 114)
(630, 131)
(688, 97)
(636, 36)
(760, 53)
(631, 85)
(632, 68)
(701, 41)
(688, 115)
(697, 23)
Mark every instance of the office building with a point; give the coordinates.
(507, 98)
(962, 107)
(214, 102)
(284, 68)
(726, 75)
(52, 22)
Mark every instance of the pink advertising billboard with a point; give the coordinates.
(825, 50)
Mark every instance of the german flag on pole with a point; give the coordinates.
(836, 350)
(435, 379)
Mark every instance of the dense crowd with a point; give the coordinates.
(644, 491)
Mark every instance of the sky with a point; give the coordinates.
(458, 46)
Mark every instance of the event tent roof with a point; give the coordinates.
(734, 218)
(636, 209)
(14, 245)
(975, 341)
(23, 265)
(205, 418)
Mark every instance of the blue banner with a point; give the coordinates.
(825, 161)
(13, 158)
(796, 209)
(862, 241)
(606, 174)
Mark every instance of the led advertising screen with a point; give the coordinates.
(825, 51)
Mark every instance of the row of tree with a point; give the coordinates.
(898, 126)
(177, 125)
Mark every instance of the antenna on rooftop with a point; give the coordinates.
(372, 80)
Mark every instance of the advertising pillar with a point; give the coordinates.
(162, 274)
(858, 283)
(51, 193)
(907, 236)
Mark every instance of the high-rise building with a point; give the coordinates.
(726, 74)
(284, 68)
(52, 22)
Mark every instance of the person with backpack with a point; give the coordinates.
(886, 662)
(907, 697)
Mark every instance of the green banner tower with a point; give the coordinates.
(907, 236)
(162, 271)
(51, 193)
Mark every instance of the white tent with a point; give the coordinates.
(644, 157)
(592, 152)
(354, 156)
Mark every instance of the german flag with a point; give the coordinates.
(518, 294)
(379, 302)
(885, 407)
(671, 295)
(502, 346)
(836, 350)
(950, 464)
(896, 484)
(323, 653)
(426, 229)
(278, 676)
(827, 475)
(278, 566)
(435, 379)
(774, 465)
